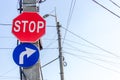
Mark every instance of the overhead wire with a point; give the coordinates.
(94, 63)
(49, 62)
(72, 7)
(6, 48)
(8, 71)
(4, 24)
(94, 58)
(70, 12)
(78, 36)
(83, 51)
(78, 43)
(75, 48)
(115, 3)
(106, 8)
(47, 47)
(6, 37)
(50, 48)
(9, 77)
(52, 42)
(50, 26)
(48, 39)
(79, 50)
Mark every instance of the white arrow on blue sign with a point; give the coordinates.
(25, 55)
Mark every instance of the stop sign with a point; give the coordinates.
(28, 27)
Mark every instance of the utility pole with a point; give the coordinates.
(61, 62)
(60, 52)
(34, 72)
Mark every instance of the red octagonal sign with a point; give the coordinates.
(28, 27)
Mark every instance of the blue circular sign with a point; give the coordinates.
(25, 55)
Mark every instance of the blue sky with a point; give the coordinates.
(84, 61)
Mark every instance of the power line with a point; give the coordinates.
(6, 37)
(77, 49)
(49, 62)
(98, 59)
(6, 48)
(8, 71)
(72, 7)
(50, 48)
(9, 77)
(11, 24)
(106, 8)
(50, 12)
(6, 24)
(91, 43)
(50, 26)
(114, 3)
(94, 63)
(48, 39)
(79, 43)
(86, 52)
(50, 43)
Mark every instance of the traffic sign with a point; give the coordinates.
(28, 27)
(25, 55)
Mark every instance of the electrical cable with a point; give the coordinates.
(95, 63)
(106, 8)
(76, 49)
(86, 52)
(90, 57)
(50, 48)
(70, 12)
(48, 39)
(92, 43)
(114, 3)
(6, 24)
(6, 48)
(8, 71)
(51, 11)
(79, 43)
(6, 37)
(49, 62)
(72, 7)
(50, 26)
(51, 43)
(9, 77)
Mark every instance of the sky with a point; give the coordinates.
(91, 46)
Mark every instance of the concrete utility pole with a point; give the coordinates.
(60, 52)
(34, 72)
(60, 48)
(61, 61)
